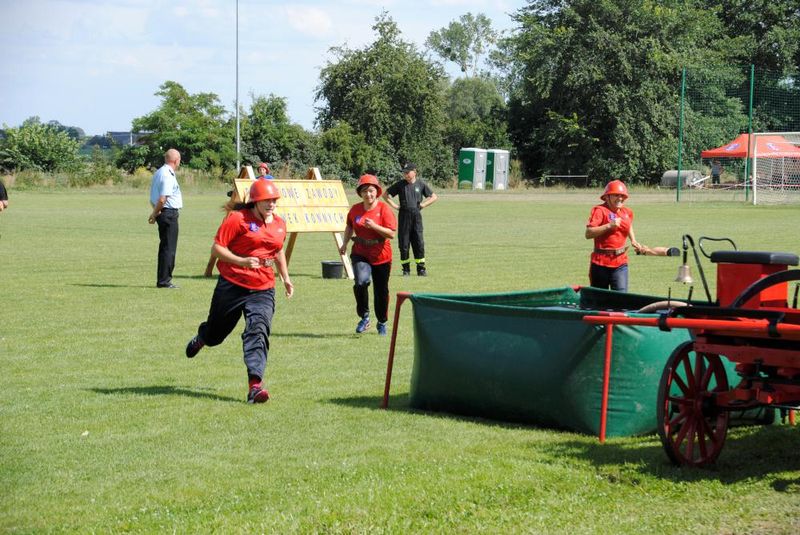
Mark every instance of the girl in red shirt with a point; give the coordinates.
(248, 246)
(610, 225)
(370, 224)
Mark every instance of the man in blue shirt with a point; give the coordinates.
(166, 199)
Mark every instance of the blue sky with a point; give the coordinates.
(96, 64)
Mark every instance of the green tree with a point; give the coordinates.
(38, 146)
(476, 114)
(73, 132)
(132, 157)
(389, 93)
(464, 42)
(197, 125)
(595, 83)
(269, 135)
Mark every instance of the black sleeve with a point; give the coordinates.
(426, 190)
(3, 192)
(393, 190)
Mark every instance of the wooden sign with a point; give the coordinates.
(305, 205)
(311, 205)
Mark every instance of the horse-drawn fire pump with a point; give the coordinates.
(750, 324)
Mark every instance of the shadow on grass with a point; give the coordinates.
(108, 285)
(166, 390)
(401, 403)
(397, 403)
(752, 452)
(312, 335)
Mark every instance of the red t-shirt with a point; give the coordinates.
(616, 239)
(247, 235)
(379, 253)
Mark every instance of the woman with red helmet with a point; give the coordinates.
(610, 225)
(248, 246)
(263, 172)
(370, 224)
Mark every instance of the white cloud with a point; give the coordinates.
(311, 21)
(97, 63)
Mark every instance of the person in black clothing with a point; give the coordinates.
(414, 195)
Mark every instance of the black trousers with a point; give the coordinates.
(167, 222)
(410, 233)
(363, 270)
(228, 304)
(609, 278)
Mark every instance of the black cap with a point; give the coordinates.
(408, 167)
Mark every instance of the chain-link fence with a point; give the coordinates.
(717, 104)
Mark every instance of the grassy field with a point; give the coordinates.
(105, 426)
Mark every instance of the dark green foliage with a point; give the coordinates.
(132, 157)
(196, 125)
(269, 136)
(595, 85)
(73, 132)
(476, 115)
(104, 142)
(37, 146)
(393, 97)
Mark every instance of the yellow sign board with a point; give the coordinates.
(306, 205)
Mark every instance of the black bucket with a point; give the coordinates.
(332, 269)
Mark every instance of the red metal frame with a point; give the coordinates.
(400, 299)
(787, 360)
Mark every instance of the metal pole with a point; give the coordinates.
(680, 133)
(238, 141)
(749, 136)
(606, 380)
(401, 296)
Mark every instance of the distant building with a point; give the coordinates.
(126, 138)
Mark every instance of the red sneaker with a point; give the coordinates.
(257, 394)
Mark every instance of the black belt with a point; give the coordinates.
(165, 209)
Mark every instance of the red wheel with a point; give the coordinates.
(692, 428)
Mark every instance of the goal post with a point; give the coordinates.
(775, 169)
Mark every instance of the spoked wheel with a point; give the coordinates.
(692, 428)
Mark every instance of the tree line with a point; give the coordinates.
(578, 87)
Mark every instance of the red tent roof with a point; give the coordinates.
(768, 147)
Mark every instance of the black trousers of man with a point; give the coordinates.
(167, 222)
(410, 233)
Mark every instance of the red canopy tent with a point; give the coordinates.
(768, 147)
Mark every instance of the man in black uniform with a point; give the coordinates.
(414, 195)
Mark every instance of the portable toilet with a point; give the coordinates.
(497, 169)
(471, 168)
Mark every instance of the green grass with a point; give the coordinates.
(106, 427)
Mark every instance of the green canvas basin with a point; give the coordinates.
(529, 357)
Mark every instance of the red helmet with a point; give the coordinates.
(264, 166)
(369, 180)
(615, 187)
(262, 190)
